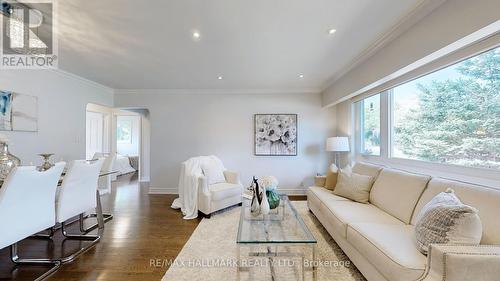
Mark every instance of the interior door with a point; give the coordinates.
(95, 133)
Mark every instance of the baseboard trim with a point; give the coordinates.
(287, 191)
(145, 179)
(292, 191)
(157, 190)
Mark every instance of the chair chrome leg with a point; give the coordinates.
(94, 239)
(15, 259)
(106, 218)
(101, 218)
(49, 235)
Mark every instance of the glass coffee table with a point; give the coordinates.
(280, 241)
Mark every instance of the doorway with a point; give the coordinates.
(98, 130)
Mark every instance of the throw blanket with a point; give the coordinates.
(188, 185)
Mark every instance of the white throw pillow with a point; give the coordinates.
(353, 186)
(214, 171)
(446, 220)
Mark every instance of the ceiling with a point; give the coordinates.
(252, 45)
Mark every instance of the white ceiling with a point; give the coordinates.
(258, 44)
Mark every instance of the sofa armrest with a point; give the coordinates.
(463, 262)
(320, 181)
(232, 177)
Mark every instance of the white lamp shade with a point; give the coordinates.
(337, 144)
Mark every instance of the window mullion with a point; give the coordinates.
(384, 125)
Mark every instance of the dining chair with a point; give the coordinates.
(104, 184)
(77, 195)
(27, 207)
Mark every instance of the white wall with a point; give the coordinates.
(187, 125)
(62, 101)
(130, 149)
(446, 24)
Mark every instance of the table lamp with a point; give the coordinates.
(337, 145)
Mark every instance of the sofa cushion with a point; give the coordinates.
(397, 192)
(224, 190)
(331, 177)
(323, 194)
(367, 169)
(342, 213)
(390, 248)
(485, 199)
(353, 186)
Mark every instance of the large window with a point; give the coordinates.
(450, 116)
(370, 125)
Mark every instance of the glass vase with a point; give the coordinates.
(7, 161)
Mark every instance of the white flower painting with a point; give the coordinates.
(276, 134)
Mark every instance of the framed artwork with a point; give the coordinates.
(275, 134)
(18, 112)
(124, 131)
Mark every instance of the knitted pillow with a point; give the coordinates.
(446, 220)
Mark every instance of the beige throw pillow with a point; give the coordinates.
(331, 177)
(353, 186)
(446, 220)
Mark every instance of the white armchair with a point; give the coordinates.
(218, 196)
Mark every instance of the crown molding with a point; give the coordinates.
(418, 12)
(83, 80)
(217, 91)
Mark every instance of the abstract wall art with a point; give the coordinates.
(18, 112)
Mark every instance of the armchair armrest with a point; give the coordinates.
(463, 262)
(232, 177)
(320, 181)
(203, 186)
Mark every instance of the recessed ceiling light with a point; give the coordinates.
(196, 35)
(220, 77)
(301, 75)
(332, 31)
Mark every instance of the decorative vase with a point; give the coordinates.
(255, 205)
(7, 161)
(46, 161)
(273, 198)
(264, 205)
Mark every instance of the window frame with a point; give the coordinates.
(361, 105)
(480, 175)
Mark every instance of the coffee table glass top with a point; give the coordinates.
(282, 225)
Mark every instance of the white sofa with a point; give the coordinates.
(379, 237)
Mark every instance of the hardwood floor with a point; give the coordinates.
(144, 228)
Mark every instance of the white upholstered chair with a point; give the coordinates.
(27, 206)
(104, 183)
(213, 197)
(77, 195)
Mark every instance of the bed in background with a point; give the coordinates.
(123, 164)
